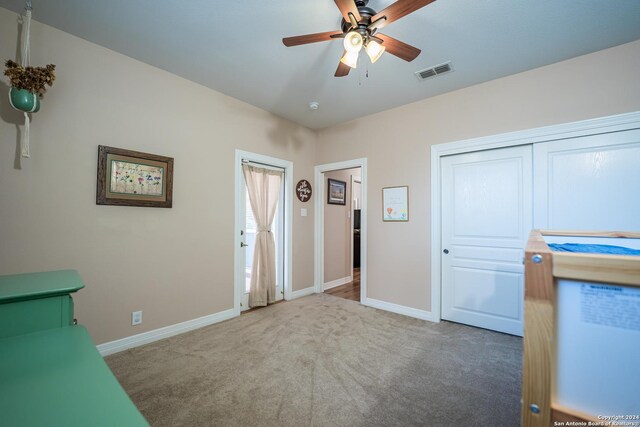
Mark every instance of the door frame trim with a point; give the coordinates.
(319, 198)
(616, 123)
(239, 280)
(353, 181)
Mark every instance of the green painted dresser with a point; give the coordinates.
(51, 373)
(37, 301)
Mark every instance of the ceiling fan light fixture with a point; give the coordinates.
(374, 50)
(350, 59)
(359, 26)
(353, 41)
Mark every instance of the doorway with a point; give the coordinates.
(246, 228)
(342, 234)
(337, 222)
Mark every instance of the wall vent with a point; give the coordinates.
(436, 70)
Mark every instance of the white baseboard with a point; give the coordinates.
(179, 328)
(166, 332)
(302, 292)
(337, 282)
(400, 309)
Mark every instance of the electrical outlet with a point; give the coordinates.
(136, 318)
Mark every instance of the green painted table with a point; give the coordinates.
(37, 301)
(51, 373)
(57, 378)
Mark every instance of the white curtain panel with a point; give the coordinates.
(263, 186)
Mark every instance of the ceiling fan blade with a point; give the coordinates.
(399, 9)
(311, 38)
(342, 70)
(398, 48)
(347, 6)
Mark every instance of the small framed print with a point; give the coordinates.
(337, 192)
(132, 178)
(395, 204)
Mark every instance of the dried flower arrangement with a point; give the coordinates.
(33, 79)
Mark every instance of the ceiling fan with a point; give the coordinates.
(360, 25)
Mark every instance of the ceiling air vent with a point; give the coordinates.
(433, 71)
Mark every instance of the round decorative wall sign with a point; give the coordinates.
(303, 190)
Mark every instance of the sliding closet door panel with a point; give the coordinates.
(588, 183)
(486, 218)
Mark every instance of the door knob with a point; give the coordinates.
(243, 244)
(446, 251)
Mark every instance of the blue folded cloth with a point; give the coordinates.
(593, 249)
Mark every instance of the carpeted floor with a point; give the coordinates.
(326, 361)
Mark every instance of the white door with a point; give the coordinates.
(486, 219)
(247, 242)
(588, 183)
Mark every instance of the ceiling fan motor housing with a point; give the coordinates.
(366, 13)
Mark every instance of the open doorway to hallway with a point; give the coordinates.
(341, 224)
(342, 233)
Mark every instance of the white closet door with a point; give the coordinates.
(588, 183)
(486, 219)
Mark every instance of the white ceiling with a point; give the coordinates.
(235, 46)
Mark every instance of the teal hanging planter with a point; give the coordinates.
(27, 83)
(23, 100)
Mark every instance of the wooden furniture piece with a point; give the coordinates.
(582, 330)
(58, 378)
(37, 301)
(51, 373)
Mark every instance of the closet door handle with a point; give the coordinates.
(243, 244)
(446, 251)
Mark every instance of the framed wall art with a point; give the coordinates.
(395, 204)
(132, 178)
(337, 192)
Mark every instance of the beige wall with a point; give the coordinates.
(177, 264)
(337, 229)
(398, 152)
(174, 264)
